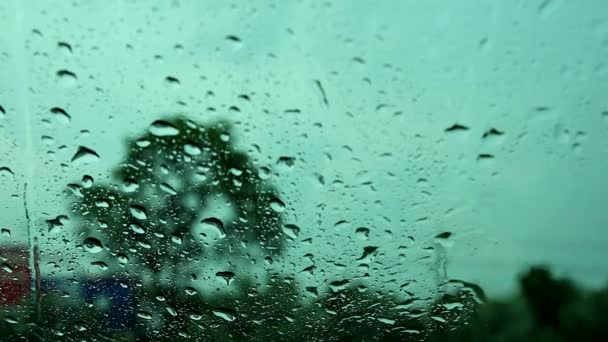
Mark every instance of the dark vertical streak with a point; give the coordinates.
(34, 265)
(320, 86)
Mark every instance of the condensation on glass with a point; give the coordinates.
(303, 170)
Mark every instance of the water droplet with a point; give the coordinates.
(195, 316)
(161, 128)
(291, 230)
(190, 291)
(92, 245)
(341, 224)
(6, 232)
(138, 211)
(100, 264)
(85, 155)
(11, 320)
(214, 224)
(66, 78)
(362, 233)
(225, 137)
(136, 228)
(144, 315)
(5, 171)
(368, 252)
(67, 48)
(264, 172)
(87, 181)
(57, 223)
(228, 277)
(277, 205)
(492, 132)
(142, 143)
(176, 239)
(168, 189)
(191, 149)
(456, 128)
(286, 162)
(171, 311)
(123, 259)
(226, 314)
(6, 268)
(339, 285)
(172, 82)
(61, 115)
(386, 320)
(129, 185)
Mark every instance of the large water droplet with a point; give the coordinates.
(277, 205)
(66, 78)
(6, 171)
(228, 277)
(215, 224)
(61, 115)
(138, 211)
(227, 314)
(85, 155)
(192, 149)
(161, 128)
(291, 230)
(92, 245)
(168, 189)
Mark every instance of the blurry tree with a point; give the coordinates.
(168, 178)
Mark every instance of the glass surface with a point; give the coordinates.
(294, 170)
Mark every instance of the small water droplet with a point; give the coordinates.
(171, 311)
(122, 258)
(161, 128)
(57, 223)
(286, 162)
(176, 239)
(190, 291)
(138, 211)
(85, 155)
(264, 172)
(228, 277)
(168, 189)
(63, 46)
(129, 185)
(92, 245)
(191, 149)
(144, 315)
(291, 230)
(277, 205)
(66, 78)
(214, 224)
(100, 264)
(61, 115)
(362, 233)
(136, 228)
(456, 128)
(339, 285)
(226, 314)
(6, 232)
(6, 268)
(172, 82)
(11, 320)
(6, 171)
(87, 181)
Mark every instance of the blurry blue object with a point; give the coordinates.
(120, 315)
